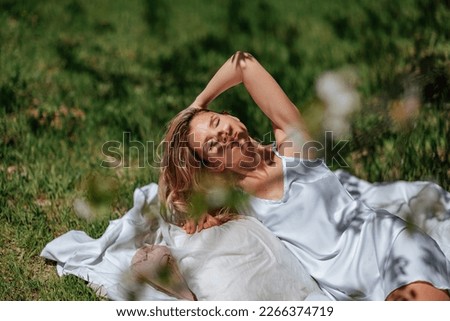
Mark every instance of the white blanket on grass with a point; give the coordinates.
(257, 266)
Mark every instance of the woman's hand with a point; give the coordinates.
(229, 75)
(204, 222)
(240, 57)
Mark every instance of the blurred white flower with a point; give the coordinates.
(427, 204)
(217, 196)
(131, 286)
(340, 99)
(83, 209)
(297, 138)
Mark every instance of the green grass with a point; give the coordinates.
(76, 74)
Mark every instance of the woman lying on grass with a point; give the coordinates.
(351, 250)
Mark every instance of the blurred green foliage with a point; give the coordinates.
(76, 74)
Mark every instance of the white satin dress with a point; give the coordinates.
(351, 250)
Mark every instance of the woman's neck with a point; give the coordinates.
(265, 181)
(258, 168)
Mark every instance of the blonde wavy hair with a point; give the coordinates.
(183, 172)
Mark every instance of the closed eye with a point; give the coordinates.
(214, 121)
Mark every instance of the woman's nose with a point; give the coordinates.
(226, 133)
(224, 137)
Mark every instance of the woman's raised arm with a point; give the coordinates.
(268, 95)
(229, 75)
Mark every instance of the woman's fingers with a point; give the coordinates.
(205, 221)
(189, 226)
(240, 57)
(211, 221)
(201, 222)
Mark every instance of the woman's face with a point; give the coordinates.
(219, 139)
